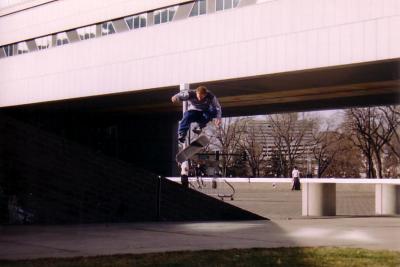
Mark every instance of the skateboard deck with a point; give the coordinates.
(195, 147)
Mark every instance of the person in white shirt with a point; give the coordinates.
(185, 173)
(295, 179)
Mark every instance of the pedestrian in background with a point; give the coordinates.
(295, 179)
(185, 174)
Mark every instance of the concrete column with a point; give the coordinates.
(175, 149)
(318, 199)
(387, 199)
(185, 87)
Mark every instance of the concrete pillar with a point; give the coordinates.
(175, 149)
(318, 199)
(387, 199)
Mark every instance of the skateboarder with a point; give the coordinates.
(203, 107)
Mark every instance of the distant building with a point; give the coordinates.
(276, 149)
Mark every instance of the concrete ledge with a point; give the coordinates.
(393, 181)
(319, 194)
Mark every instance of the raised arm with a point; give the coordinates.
(181, 96)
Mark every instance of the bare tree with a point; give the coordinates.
(289, 137)
(227, 140)
(327, 144)
(392, 115)
(371, 131)
(347, 162)
(253, 145)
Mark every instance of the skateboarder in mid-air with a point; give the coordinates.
(203, 107)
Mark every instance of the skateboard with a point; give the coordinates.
(192, 149)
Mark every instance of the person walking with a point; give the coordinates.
(185, 174)
(295, 179)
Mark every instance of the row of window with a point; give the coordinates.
(133, 22)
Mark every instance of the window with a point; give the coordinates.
(22, 48)
(9, 50)
(226, 4)
(199, 8)
(164, 15)
(43, 42)
(61, 38)
(87, 32)
(135, 22)
(107, 28)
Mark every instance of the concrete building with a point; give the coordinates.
(275, 150)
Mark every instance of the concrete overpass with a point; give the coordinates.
(263, 56)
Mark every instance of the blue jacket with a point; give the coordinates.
(209, 102)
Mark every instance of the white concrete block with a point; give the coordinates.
(345, 43)
(310, 43)
(271, 55)
(382, 38)
(370, 40)
(280, 51)
(334, 45)
(394, 37)
(391, 8)
(302, 48)
(291, 51)
(357, 42)
(322, 48)
(261, 58)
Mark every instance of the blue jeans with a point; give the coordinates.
(201, 117)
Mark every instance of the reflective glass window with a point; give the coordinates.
(61, 38)
(87, 32)
(43, 42)
(22, 48)
(136, 22)
(171, 13)
(202, 7)
(129, 22)
(219, 5)
(157, 17)
(227, 4)
(143, 20)
(195, 9)
(8, 50)
(164, 16)
(107, 28)
(199, 8)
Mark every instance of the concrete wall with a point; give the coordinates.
(270, 37)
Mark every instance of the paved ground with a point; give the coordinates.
(286, 229)
(280, 202)
(90, 240)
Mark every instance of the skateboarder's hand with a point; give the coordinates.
(174, 99)
(217, 122)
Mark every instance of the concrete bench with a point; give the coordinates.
(319, 194)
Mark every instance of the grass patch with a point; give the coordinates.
(337, 257)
